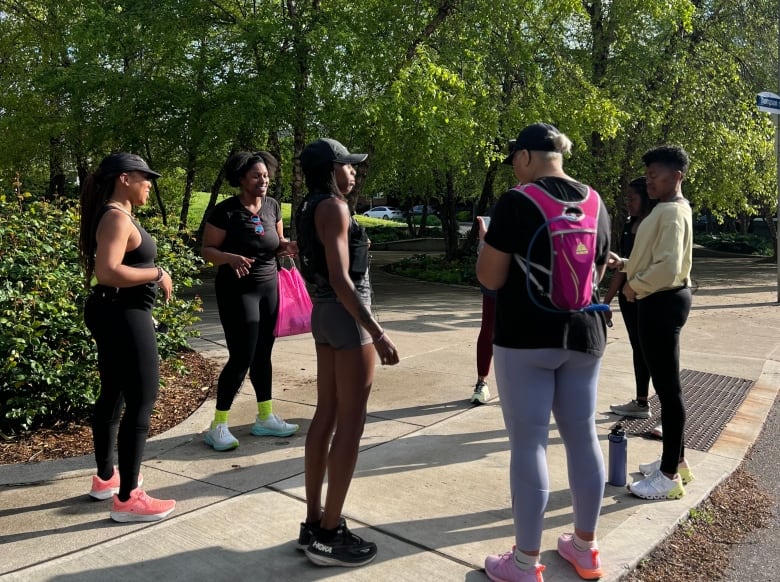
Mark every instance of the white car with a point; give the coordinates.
(385, 212)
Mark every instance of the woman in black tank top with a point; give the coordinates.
(118, 259)
(346, 337)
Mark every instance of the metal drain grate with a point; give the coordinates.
(711, 401)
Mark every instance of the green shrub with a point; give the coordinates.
(747, 244)
(464, 216)
(47, 356)
(437, 269)
(430, 220)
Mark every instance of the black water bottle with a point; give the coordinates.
(618, 456)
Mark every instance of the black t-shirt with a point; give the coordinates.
(242, 239)
(520, 323)
(627, 238)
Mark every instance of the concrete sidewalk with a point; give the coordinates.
(431, 486)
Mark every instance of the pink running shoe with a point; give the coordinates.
(141, 507)
(502, 568)
(106, 489)
(587, 563)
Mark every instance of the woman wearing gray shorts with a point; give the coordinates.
(334, 258)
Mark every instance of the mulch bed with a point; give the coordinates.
(180, 395)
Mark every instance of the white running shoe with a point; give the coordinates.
(658, 486)
(273, 426)
(649, 468)
(220, 438)
(632, 409)
(481, 393)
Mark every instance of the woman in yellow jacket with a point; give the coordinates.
(658, 274)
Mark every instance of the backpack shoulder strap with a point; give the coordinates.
(550, 206)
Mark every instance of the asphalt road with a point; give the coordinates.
(757, 558)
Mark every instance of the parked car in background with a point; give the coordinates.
(418, 210)
(385, 212)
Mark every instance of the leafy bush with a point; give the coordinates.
(381, 231)
(430, 221)
(437, 269)
(381, 234)
(48, 366)
(747, 244)
(461, 271)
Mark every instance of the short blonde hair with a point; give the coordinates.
(562, 143)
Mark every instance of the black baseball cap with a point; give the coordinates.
(326, 151)
(116, 164)
(538, 137)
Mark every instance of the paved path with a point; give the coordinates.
(431, 486)
(756, 557)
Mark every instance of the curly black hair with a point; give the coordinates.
(241, 162)
(671, 156)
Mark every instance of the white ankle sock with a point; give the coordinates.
(524, 561)
(582, 545)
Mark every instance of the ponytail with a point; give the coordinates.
(95, 192)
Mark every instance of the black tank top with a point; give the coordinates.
(314, 267)
(143, 256)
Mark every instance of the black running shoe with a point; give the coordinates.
(308, 530)
(345, 549)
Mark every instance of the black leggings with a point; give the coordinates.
(129, 369)
(247, 310)
(660, 318)
(628, 309)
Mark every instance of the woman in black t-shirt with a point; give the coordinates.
(638, 205)
(545, 361)
(243, 236)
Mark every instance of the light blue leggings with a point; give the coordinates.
(531, 383)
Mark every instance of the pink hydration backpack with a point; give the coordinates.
(569, 280)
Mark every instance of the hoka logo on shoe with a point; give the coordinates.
(320, 547)
(581, 249)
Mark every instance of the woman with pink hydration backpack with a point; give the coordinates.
(550, 335)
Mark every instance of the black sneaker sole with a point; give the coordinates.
(325, 560)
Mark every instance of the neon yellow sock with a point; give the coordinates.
(220, 417)
(264, 409)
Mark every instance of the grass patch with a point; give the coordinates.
(379, 230)
(200, 200)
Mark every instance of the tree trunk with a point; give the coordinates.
(449, 222)
(300, 113)
(275, 148)
(297, 186)
(485, 201)
(189, 180)
(215, 188)
(360, 179)
(157, 195)
(56, 188)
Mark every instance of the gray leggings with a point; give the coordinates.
(531, 384)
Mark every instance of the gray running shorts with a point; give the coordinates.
(332, 324)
